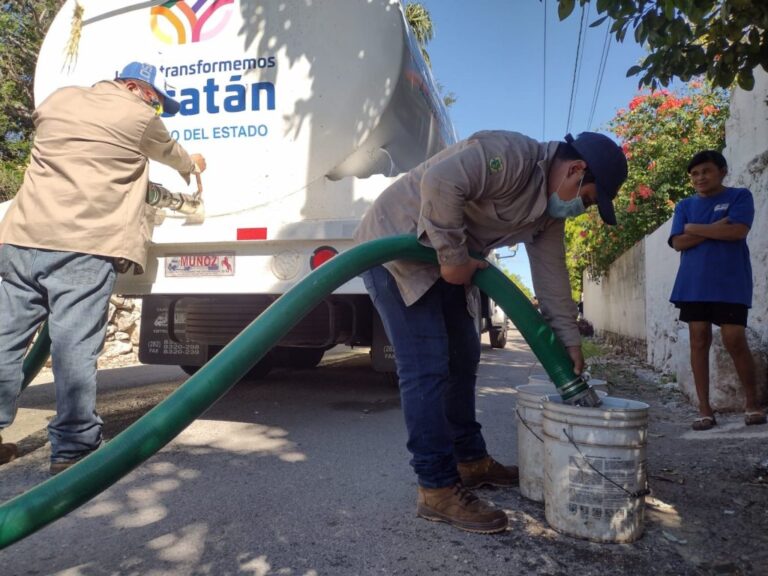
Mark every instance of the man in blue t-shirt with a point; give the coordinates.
(714, 281)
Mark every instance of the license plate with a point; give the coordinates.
(222, 264)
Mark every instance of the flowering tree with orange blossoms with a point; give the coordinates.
(659, 132)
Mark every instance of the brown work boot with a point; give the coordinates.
(8, 452)
(459, 507)
(61, 465)
(487, 472)
(58, 466)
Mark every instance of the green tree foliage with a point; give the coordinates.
(449, 99)
(518, 281)
(722, 39)
(660, 131)
(420, 21)
(22, 26)
(11, 176)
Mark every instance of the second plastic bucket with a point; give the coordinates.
(530, 443)
(595, 469)
(530, 439)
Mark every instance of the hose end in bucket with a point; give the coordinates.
(589, 398)
(578, 393)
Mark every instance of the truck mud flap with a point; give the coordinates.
(156, 345)
(382, 352)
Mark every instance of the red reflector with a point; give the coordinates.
(251, 233)
(321, 256)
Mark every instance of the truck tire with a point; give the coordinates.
(498, 336)
(257, 372)
(261, 369)
(191, 370)
(295, 358)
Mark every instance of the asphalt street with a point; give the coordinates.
(303, 474)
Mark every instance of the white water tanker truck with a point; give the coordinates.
(305, 112)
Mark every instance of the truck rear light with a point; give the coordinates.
(321, 256)
(251, 233)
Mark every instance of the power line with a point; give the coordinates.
(544, 80)
(600, 74)
(581, 57)
(575, 71)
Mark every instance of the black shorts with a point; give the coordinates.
(715, 312)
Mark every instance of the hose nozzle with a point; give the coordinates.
(578, 393)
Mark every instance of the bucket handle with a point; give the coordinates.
(633, 495)
(526, 425)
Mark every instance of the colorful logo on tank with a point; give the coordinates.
(185, 21)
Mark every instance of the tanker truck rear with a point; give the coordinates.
(305, 112)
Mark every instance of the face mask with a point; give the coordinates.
(559, 208)
(152, 101)
(157, 106)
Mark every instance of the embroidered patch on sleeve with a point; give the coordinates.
(495, 164)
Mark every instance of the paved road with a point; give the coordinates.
(305, 474)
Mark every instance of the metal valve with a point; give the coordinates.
(189, 204)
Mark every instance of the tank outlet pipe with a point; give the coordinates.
(191, 205)
(64, 492)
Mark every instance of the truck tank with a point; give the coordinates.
(305, 112)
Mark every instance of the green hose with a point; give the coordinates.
(36, 356)
(63, 493)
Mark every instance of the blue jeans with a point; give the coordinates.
(437, 352)
(73, 291)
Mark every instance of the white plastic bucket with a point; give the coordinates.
(530, 442)
(530, 439)
(595, 469)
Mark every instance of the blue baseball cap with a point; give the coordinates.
(155, 78)
(607, 163)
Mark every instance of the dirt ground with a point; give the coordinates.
(708, 509)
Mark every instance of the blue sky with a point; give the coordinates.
(490, 54)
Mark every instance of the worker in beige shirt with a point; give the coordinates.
(493, 189)
(80, 210)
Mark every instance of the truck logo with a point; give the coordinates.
(184, 21)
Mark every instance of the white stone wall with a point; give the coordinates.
(661, 328)
(756, 179)
(747, 154)
(122, 341)
(725, 391)
(747, 126)
(616, 303)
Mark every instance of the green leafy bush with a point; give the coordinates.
(660, 131)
